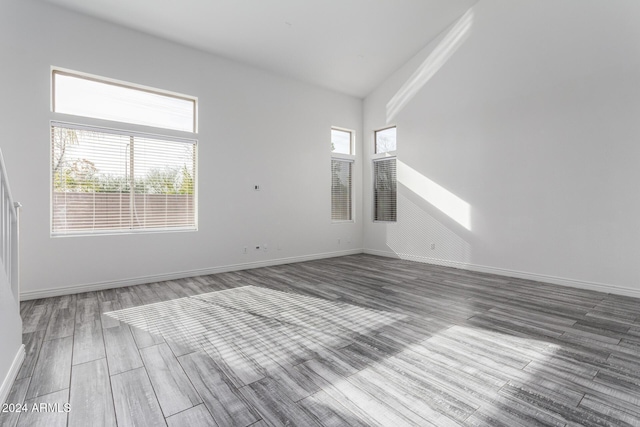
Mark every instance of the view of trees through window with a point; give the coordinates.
(111, 180)
(74, 173)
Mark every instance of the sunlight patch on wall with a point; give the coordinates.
(447, 46)
(447, 202)
(413, 236)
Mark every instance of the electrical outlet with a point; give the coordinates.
(258, 247)
(256, 187)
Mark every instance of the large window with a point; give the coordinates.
(114, 181)
(384, 176)
(341, 175)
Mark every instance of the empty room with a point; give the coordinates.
(319, 213)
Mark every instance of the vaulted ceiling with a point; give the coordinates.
(349, 46)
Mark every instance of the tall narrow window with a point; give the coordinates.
(341, 175)
(384, 189)
(107, 180)
(341, 172)
(384, 176)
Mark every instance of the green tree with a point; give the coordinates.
(187, 183)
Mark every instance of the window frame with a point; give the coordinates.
(124, 128)
(351, 158)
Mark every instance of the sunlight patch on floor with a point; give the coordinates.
(243, 324)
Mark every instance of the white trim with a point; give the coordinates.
(573, 283)
(123, 132)
(343, 157)
(6, 385)
(376, 157)
(75, 289)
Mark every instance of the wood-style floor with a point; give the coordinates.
(352, 341)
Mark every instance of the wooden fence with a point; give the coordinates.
(111, 211)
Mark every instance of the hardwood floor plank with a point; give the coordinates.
(225, 403)
(328, 412)
(37, 318)
(107, 319)
(135, 401)
(615, 409)
(122, 353)
(32, 344)
(274, 406)
(53, 368)
(62, 321)
(173, 389)
(51, 411)
(88, 343)
(361, 403)
(90, 396)
(198, 416)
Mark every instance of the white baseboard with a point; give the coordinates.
(5, 387)
(75, 289)
(600, 287)
(581, 284)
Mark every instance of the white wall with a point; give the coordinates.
(533, 124)
(255, 128)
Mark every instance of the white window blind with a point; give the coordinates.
(109, 181)
(99, 98)
(384, 191)
(341, 200)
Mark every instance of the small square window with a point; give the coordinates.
(386, 140)
(341, 141)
